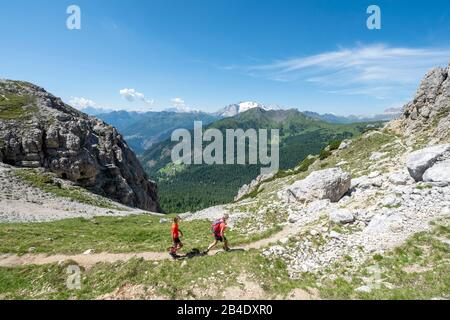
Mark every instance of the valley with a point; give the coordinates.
(300, 136)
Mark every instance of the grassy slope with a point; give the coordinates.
(107, 234)
(46, 183)
(417, 270)
(13, 106)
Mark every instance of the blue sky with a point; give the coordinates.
(205, 54)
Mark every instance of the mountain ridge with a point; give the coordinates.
(37, 130)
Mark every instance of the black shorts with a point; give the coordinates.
(220, 238)
(176, 241)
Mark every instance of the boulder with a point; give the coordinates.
(329, 184)
(381, 223)
(421, 160)
(366, 182)
(390, 201)
(345, 144)
(341, 216)
(400, 178)
(439, 173)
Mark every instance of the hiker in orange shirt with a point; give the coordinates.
(218, 228)
(177, 244)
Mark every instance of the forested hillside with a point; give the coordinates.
(187, 188)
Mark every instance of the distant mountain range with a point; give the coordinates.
(387, 115)
(141, 130)
(144, 129)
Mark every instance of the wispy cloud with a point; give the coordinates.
(81, 103)
(375, 70)
(178, 102)
(132, 95)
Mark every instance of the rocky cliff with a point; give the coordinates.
(38, 130)
(427, 116)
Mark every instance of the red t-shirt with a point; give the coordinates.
(175, 232)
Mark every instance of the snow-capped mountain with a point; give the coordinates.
(182, 109)
(234, 109)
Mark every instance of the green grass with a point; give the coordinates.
(46, 182)
(358, 154)
(424, 186)
(166, 278)
(109, 234)
(191, 279)
(12, 106)
(252, 194)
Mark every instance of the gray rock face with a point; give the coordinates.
(254, 185)
(439, 173)
(342, 216)
(430, 108)
(76, 147)
(421, 160)
(329, 184)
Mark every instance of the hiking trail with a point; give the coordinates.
(89, 260)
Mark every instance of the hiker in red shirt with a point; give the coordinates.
(177, 244)
(218, 228)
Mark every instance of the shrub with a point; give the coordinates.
(335, 145)
(324, 154)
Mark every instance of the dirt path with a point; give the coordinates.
(89, 260)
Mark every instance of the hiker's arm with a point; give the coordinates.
(181, 232)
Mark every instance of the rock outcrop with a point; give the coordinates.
(39, 130)
(253, 186)
(429, 111)
(421, 160)
(329, 184)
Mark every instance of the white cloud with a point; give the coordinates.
(132, 95)
(178, 102)
(374, 70)
(81, 103)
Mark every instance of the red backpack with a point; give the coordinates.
(215, 228)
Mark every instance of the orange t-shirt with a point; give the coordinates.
(175, 232)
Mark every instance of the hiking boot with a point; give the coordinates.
(174, 255)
